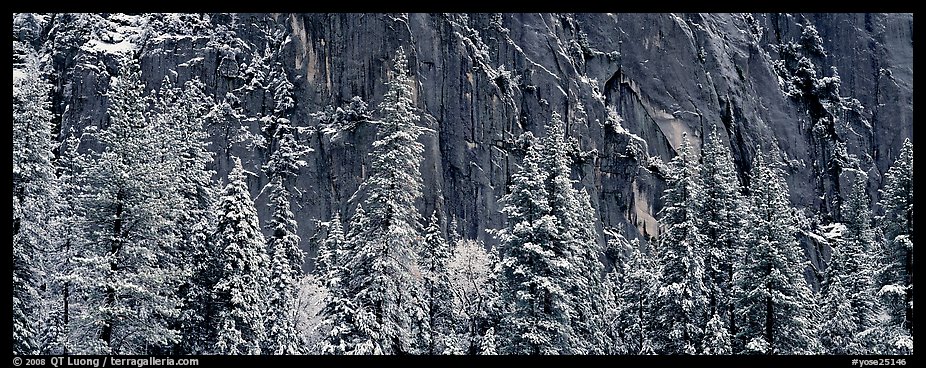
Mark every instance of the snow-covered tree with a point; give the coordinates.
(286, 159)
(283, 164)
(328, 264)
(488, 346)
(285, 272)
(434, 260)
(331, 270)
(618, 252)
(126, 274)
(72, 30)
(719, 222)
(180, 113)
(578, 240)
(551, 276)
(386, 284)
(774, 301)
(852, 266)
(717, 339)
(69, 237)
(536, 313)
(472, 280)
(286, 256)
(895, 278)
(636, 288)
(682, 297)
(355, 328)
(242, 283)
(34, 195)
(310, 319)
(839, 328)
(454, 345)
(267, 75)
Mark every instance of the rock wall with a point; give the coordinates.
(629, 85)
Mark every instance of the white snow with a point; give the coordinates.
(893, 289)
(817, 238)
(192, 61)
(834, 231)
(111, 48)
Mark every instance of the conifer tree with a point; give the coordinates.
(179, 113)
(285, 271)
(243, 271)
(551, 275)
(840, 325)
(330, 268)
(774, 300)
(852, 266)
(66, 224)
(717, 339)
(682, 296)
(719, 222)
(386, 286)
(126, 274)
(34, 184)
(895, 277)
(638, 285)
(488, 343)
(576, 241)
(434, 262)
(535, 307)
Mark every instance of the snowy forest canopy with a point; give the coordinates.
(125, 241)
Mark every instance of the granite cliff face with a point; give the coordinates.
(629, 85)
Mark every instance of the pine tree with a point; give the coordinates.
(535, 306)
(286, 159)
(287, 257)
(243, 275)
(126, 274)
(66, 224)
(180, 112)
(551, 275)
(34, 186)
(682, 296)
(454, 345)
(851, 265)
(613, 304)
(896, 275)
(617, 253)
(327, 260)
(488, 343)
(577, 240)
(720, 224)
(330, 267)
(840, 325)
(33, 171)
(774, 300)
(386, 284)
(717, 339)
(636, 290)
(434, 261)
(356, 330)
(285, 271)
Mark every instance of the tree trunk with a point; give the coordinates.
(106, 333)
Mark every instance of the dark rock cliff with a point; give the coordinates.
(629, 85)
